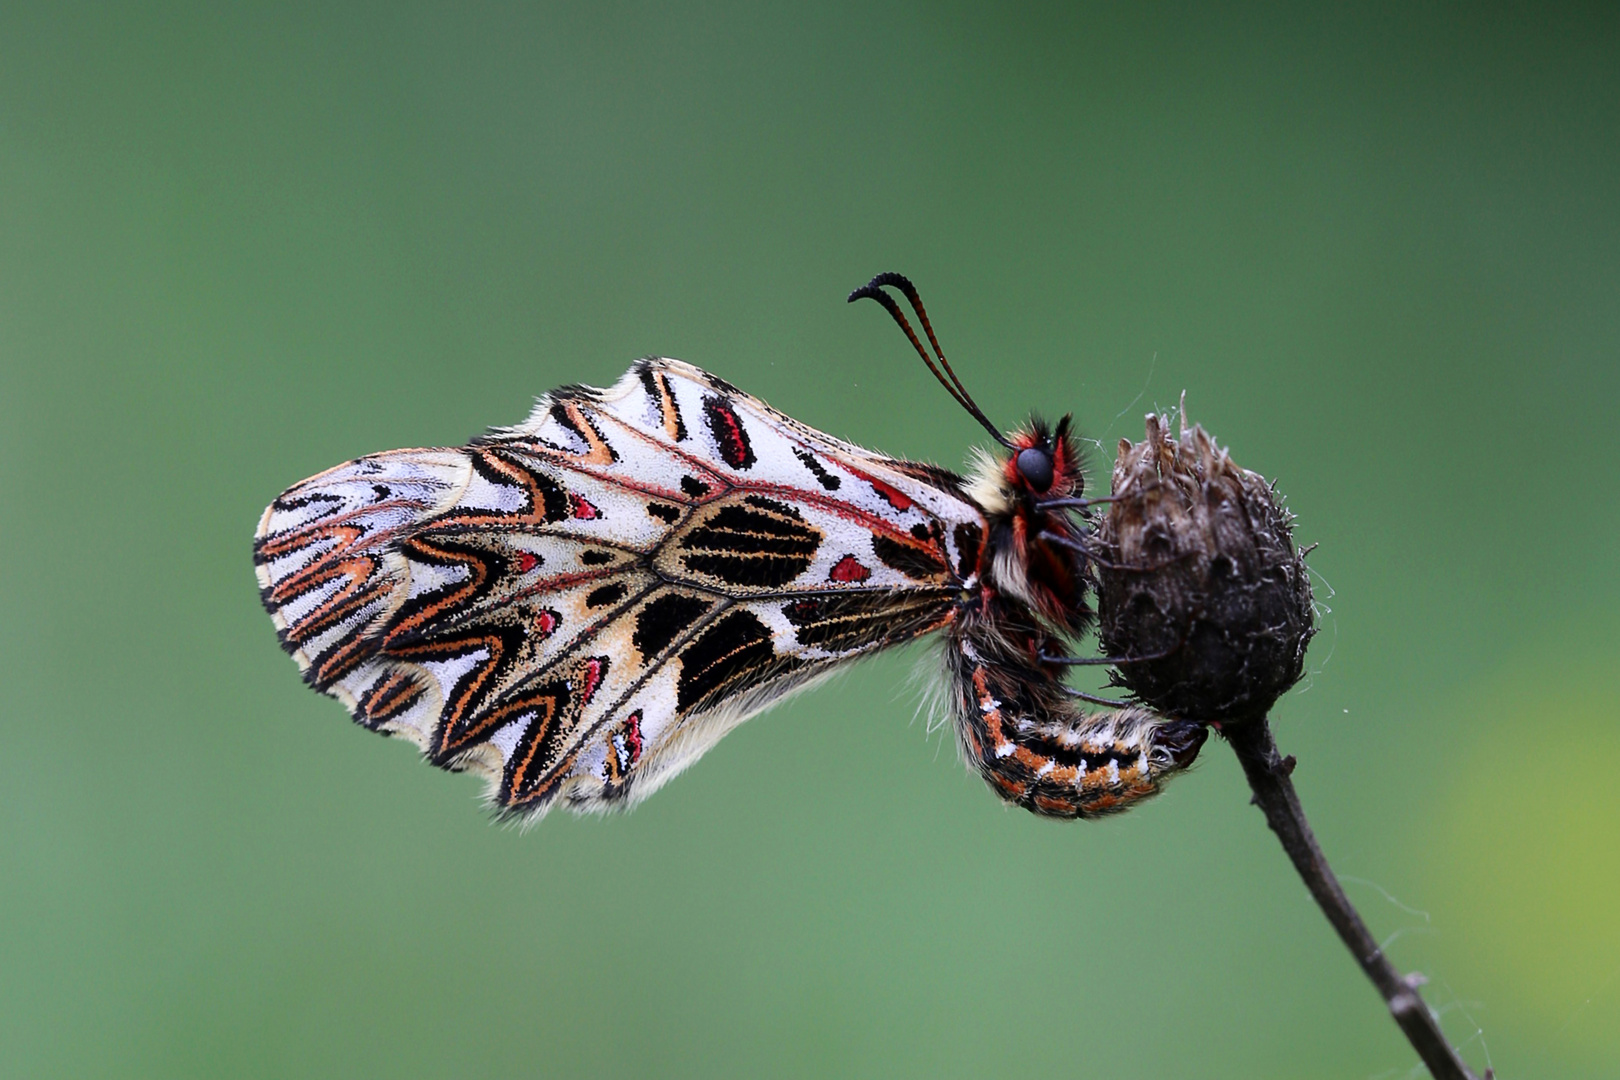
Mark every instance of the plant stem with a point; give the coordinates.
(1274, 793)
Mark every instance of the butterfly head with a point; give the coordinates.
(1042, 462)
(1027, 492)
(1038, 462)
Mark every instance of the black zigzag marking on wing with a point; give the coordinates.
(915, 562)
(664, 618)
(649, 383)
(606, 595)
(564, 417)
(391, 696)
(674, 408)
(465, 719)
(624, 748)
(546, 748)
(662, 395)
(544, 498)
(577, 392)
(538, 750)
(298, 502)
(823, 477)
(497, 469)
(428, 612)
(553, 496)
(764, 543)
(733, 653)
(723, 385)
(848, 622)
(968, 540)
(729, 434)
(342, 563)
(348, 651)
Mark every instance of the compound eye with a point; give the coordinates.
(1035, 466)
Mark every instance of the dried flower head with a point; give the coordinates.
(1199, 575)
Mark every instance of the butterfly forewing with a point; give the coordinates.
(579, 606)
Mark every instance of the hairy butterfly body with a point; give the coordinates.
(577, 607)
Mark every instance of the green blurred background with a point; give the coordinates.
(1380, 252)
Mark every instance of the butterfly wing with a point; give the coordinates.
(579, 606)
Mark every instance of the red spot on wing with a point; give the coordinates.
(627, 745)
(728, 431)
(732, 443)
(848, 571)
(526, 562)
(891, 496)
(632, 737)
(545, 624)
(583, 510)
(897, 499)
(590, 679)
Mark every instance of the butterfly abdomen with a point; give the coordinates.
(1019, 727)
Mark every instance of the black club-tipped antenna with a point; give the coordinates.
(874, 290)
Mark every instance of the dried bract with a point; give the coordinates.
(1199, 575)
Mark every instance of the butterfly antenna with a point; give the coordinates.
(903, 283)
(874, 290)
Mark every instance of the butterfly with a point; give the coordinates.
(578, 606)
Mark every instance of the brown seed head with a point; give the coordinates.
(1204, 577)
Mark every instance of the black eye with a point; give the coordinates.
(1035, 466)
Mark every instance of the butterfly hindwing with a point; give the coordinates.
(579, 606)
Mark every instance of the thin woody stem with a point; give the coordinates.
(1274, 793)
